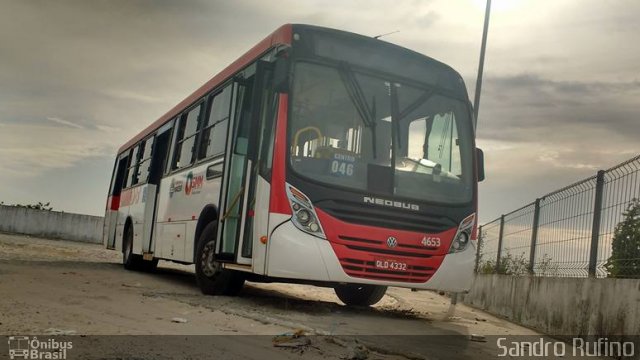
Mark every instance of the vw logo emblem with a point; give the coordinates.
(392, 242)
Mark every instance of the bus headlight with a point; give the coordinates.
(304, 215)
(461, 240)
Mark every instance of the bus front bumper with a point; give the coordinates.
(295, 254)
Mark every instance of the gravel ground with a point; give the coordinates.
(53, 287)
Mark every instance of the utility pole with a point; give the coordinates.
(483, 47)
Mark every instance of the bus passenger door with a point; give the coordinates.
(235, 228)
(156, 170)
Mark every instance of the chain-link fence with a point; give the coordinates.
(590, 228)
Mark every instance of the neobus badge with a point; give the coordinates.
(385, 202)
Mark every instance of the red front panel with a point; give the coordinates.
(279, 203)
(367, 251)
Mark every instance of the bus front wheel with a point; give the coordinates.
(211, 277)
(360, 294)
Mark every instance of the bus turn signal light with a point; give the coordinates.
(263, 239)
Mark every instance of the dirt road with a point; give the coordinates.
(52, 287)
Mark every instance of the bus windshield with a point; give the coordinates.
(349, 128)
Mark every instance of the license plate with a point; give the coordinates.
(388, 264)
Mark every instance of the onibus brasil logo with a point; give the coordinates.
(25, 347)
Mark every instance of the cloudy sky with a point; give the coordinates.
(561, 97)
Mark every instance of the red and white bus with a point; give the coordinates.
(319, 157)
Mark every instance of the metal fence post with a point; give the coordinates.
(500, 243)
(475, 269)
(534, 235)
(595, 230)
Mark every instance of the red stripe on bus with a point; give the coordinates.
(114, 202)
(279, 202)
(282, 35)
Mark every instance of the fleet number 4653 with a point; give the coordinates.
(430, 241)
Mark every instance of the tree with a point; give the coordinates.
(625, 246)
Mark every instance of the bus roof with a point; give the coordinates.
(281, 36)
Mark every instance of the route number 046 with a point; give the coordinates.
(342, 168)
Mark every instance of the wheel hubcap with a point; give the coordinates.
(209, 266)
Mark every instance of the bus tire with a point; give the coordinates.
(130, 260)
(360, 294)
(211, 277)
(149, 265)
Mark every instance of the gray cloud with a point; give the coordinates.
(543, 133)
(64, 122)
(532, 108)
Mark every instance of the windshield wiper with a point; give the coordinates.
(368, 115)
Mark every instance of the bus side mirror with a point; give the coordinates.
(480, 164)
(281, 74)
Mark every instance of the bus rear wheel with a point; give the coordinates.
(211, 277)
(133, 261)
(360, 294)
(130, 260)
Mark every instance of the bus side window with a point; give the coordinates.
(117, 181)
(243, 113)
(214, 129)
(187, 131)
(267, 134)
(132, 172)
(145, 160)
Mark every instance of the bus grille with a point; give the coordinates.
(383, 254)
(365, 268)
(387, 218)
(375, 246)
